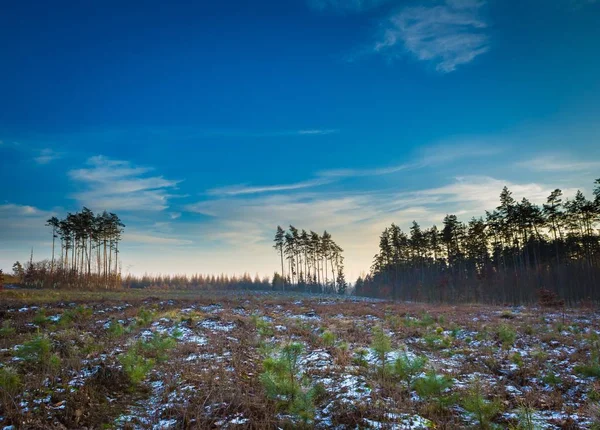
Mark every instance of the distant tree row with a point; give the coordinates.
(508, 256)
(37, 273)
(200, 282)
(314, 263)
(88, 253)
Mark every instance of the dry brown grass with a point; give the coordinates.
(222, 374)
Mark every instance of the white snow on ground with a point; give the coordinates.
(213, 309)
(183, 334)
(308, 316)
(349, 385)
(400, 422)
(215, 325)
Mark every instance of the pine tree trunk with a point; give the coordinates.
(282, 274)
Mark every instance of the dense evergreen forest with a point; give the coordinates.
(508, 256)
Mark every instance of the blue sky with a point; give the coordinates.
(204, 126)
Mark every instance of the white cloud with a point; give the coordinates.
(242, 189)
(135, 237)
(11, 209)
(341, 173)
(46, 156)
(558, 163)
(355, 219)
(23, 228)
(429, 156)
(448, 35)
(117, 185)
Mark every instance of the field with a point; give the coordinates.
(187, 360)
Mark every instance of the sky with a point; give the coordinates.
(204, 125)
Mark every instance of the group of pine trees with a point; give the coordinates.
(518, 249)
(87, 255)
(314, 262)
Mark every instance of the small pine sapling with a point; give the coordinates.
(283, 382)
(381, 345)
(480, 408)
(407, 368)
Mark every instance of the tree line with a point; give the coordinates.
(508, 256)
(199, 282)
(87, 253)
(314, 262)
(37, 274)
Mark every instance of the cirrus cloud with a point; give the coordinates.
(117, 185)
(448, 35)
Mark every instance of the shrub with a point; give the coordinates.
(135, 366)
(66, 319)
(482, 409)
(40, 318)
(552, 378)
(433, 387)
(427, 320)
(82, 312)
(7, 329)
(328, 339)
(284, 383)
(263, 327)
(507, 335)
(517, 359)
(394, 322)
(360, 358)
(10, 381)
(144, 317)
(437, 341)
(79, 314)
(158, 346)
(591, 369)
(527, 419)
(381, 345)
(10, 385)
(406, 368)
(116, 329)
(36, 351)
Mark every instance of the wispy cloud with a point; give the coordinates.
(270, 133)
(345, 6)
(434, 155)
(354, 218)
(343, 173)
(23, 225)
(558, 163)
(150, 239)
(242, 189)
(428, 156)
(46, 156)
(448, 35)
(117, 185)
(317, 131)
